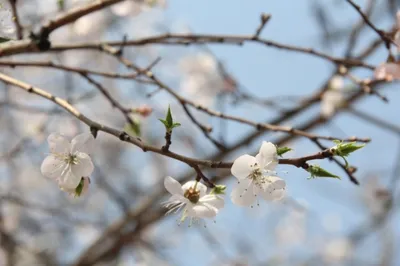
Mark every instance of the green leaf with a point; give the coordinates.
(169, 117)
(164, 122)
(345, 148)
(2, 39)
(133, 129)
(281, 150)
(168, 121)
(61, 4)
(218, 190)
(79, 188)
(176, 125)
(317, 171)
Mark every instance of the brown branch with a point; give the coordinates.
(383, 35)
(13, 4)
(77, 70)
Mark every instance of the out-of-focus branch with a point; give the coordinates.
(18, 27)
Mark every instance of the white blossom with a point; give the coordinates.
(337, 250)
(7, 28)
(397, 35)
(387, 71)
(257, 177)
(133, 7)
(193, 199)
(202, 79)
(333, 98)
(68, 161)
(375, 197)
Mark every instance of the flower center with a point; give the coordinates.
(71, 159)
(258, 177)
(192, 195)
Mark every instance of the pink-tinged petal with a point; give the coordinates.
(68, 181)
(84, 166)
(398, 20)
(267, 156)
(202, 211)
(396, 40)
(213, 200)
(58, 143)
(53, 167)
(173, 186)
(199, 187)
(82, 143)
(243, 194)
(388, 71)
(243, 166)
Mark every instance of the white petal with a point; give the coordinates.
(52, 167)
(267, 156)
(58, 143)
(277, 182)
(69, 181)
(202, 211)
(243, 194)
(84, 167)
(200, 187)
(243, 166)
(271, 194)
(172, 186)
(82, 143)
(213, 200)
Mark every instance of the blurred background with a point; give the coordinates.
(120, 220)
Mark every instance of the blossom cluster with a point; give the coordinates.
(256, 177)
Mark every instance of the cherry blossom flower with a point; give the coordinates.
(134, 7)
(202, 79)
(7, 28)
(387, 71)
(257, 177)
(68, 161)
(193, 199)
(397, 35)
(333, 98)
(337, 250)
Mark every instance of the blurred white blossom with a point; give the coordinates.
(387, 71)
(333, 98)
(201, 78)
(375, 196)
(7, 28)
(337, 250)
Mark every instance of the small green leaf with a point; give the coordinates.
(61, 4)
(133, 129)
(164, 122)
(176, 125)
(218, 190)
(345, 148)
(281, 150)
(168, 121)
(79, 188)
(2, 39)
(169, 117)
(317, 171)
